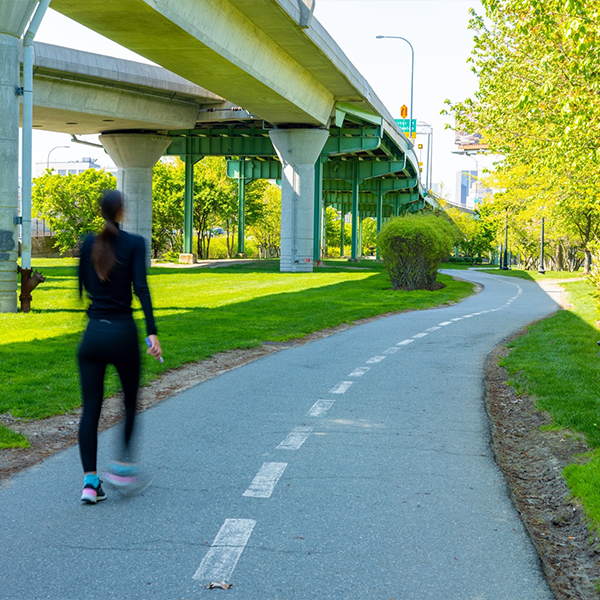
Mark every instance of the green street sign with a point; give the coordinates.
(404, 124)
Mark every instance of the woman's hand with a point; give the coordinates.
(154, 348)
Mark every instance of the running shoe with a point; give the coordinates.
(126, 478)
(91, 494)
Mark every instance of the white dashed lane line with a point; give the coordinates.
(266, 479)
(375, 359)
(404, 342)
(420, 335)
(220, 561)
(359, 372)
(319, 408)
(341, 387)
(391, 350)
(295, 438)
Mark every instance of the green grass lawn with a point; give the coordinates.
(557, 362)
(199, 312)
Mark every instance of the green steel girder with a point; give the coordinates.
(332, 198)
(371, 172)
(254, 169)
(254, 141)
(341, 169)
(222, 141)
(348, 141)
(402, 198)
(367, 210)
(370, 185)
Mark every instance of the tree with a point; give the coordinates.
(267, 227)
(476, 232)
(369, 235)
(216, 202)
(213, 190)
(168, 178)
(69, 204)
(538, 104)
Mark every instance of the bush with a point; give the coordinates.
(412, 248)
(465, 260)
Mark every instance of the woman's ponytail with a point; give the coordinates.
(103, 251)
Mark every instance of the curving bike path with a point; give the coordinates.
(354, 467)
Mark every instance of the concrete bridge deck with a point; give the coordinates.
(301, 102)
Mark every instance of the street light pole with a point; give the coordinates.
(505, 267)
(51, 151)
(412, 74)
(541, 270)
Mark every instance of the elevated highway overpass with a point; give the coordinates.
(308, 117)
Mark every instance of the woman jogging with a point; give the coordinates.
(111, 264)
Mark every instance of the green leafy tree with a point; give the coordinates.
(69, 204)
(213, 191)
(369, 236)
(538, 104)
(266, 228)
(216, 202)
(476, 232)
(168, 177)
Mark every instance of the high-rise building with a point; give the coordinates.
(469, 190)
(464, 182)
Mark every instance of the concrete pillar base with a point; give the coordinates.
(135, 154)
(298, 151)
(188, 259)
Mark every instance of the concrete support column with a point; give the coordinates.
(298, 151)
(135, 154)
(14, 16)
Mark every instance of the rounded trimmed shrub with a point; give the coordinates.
(412, 248)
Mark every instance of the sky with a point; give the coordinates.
(437, 29)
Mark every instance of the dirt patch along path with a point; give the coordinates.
(532, 460)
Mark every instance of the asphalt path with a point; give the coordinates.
(357, 466)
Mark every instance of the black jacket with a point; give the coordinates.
(112, 299)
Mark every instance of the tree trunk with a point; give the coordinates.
(587, 265)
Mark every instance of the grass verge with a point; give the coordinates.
(557, 363)
(199, 312)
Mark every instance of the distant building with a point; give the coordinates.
(71, 167)
(469, 191)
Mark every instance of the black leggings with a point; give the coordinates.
(107, 342)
